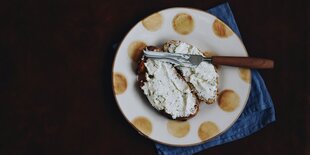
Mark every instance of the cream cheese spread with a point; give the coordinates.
(204, 77)
(167, 91)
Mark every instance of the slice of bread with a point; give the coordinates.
(203, 79)
(166, 89)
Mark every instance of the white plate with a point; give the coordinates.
(208, 34)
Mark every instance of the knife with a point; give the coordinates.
(189, 60)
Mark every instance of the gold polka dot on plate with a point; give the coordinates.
(245, 74)
(178, 128)
(220, 29)
(143, 124)
(207, 130)
(135, 50)
(153, 22)
(209, 53)
(228, 100)
(183, 23)
(119, 83)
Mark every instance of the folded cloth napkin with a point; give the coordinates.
(258, 112)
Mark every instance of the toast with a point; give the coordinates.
(203, 79)
(166, 89)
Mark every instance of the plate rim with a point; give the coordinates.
(150, 138)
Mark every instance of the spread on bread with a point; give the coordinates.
(167, 91)
(203, 78)
(177, 91)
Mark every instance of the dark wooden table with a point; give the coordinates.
(55, 82)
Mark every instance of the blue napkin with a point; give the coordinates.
(258, 112)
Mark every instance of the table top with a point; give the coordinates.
(56, 60)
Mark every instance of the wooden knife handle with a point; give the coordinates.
(246, 62)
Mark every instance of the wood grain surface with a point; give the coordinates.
(55, 75)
